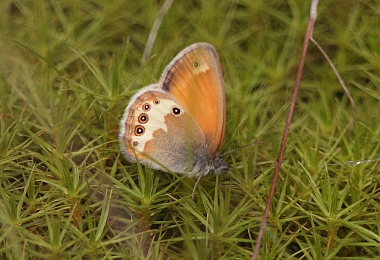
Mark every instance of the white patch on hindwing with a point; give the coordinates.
(156, 120)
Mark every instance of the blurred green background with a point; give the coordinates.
(67, 71)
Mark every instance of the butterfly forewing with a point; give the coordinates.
(194, 79)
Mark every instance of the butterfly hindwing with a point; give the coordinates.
(160, 132)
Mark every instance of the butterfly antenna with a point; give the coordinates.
(241, 147)
(195, 186)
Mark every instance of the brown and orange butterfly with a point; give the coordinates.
(178, 124)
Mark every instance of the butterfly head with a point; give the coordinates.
(219, 165)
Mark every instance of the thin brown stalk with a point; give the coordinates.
(156, 26)
(308, 35)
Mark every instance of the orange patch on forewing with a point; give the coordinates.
(200, 90)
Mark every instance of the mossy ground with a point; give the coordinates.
(67, 71)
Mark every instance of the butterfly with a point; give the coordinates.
(178, 124)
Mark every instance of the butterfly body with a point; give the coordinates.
(178, 124)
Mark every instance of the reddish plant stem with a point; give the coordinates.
(308, 35)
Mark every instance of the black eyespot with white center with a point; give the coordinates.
(146, 107)
(195, 64)
(143, 118)
(135, 143)
(176, 111)
(139, 130)
(157, 101)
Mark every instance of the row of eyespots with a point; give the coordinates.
(143, 118)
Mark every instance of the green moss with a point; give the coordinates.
(67, 71)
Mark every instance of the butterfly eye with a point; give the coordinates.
(139, 130)
(157, 101)
(176, 111)
(146, 107)
(143, 118)
(196, 64)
